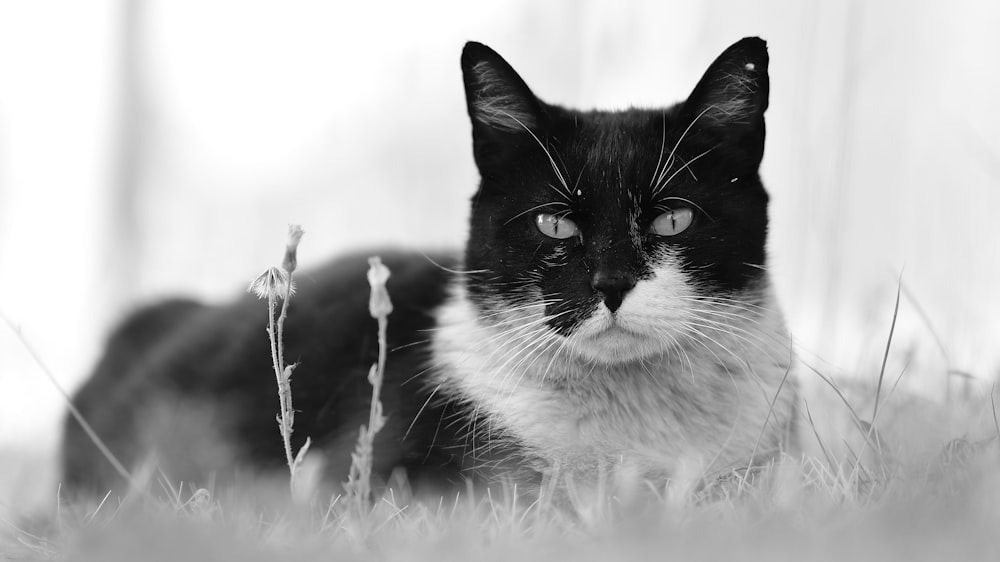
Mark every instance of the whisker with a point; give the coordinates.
(562, 180)
(673, 150)
(536, 207)
(663, 146)
(420, 411)
(683, 200)
(663, 185)
(450, 270)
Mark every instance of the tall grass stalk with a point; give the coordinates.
(274, 284)
(73, 410)
(358, 485)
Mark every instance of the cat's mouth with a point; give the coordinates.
(609, 324)
(617, 328)
(611, 338)
(616, 335)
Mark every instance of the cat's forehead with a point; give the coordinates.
(631, 133)
(619, 145)
(613, 127)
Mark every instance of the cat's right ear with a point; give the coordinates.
(501, 105)
(732, 96)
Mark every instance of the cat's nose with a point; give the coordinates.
(613, 285)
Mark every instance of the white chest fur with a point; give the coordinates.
(713, 404)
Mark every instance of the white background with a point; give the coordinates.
(158, 147)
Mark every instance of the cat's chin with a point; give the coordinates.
(615, 347)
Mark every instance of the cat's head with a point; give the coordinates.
(604, 230)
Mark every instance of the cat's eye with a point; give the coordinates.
(672, 222)
(555, 226)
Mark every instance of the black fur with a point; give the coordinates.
(217, 359)
(181, 352)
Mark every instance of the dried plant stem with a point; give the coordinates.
(383, 325)
(273, 284)
(282, 375)
(358, 485)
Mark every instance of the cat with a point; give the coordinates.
(612, 310)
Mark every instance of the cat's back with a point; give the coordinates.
(191, 385)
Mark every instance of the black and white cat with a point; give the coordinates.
(613, 309)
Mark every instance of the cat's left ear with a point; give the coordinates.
(732, 96)
(501, 106)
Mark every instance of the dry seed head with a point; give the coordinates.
(272, 284)
(379, 304)
(290, 262)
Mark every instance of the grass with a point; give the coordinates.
(916, 480)
(946, 509)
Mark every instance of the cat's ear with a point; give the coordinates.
(732, 96)
(500, 103)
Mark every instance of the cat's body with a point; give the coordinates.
(612, 310)
(191, 384)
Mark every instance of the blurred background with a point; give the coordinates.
(158, 147)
